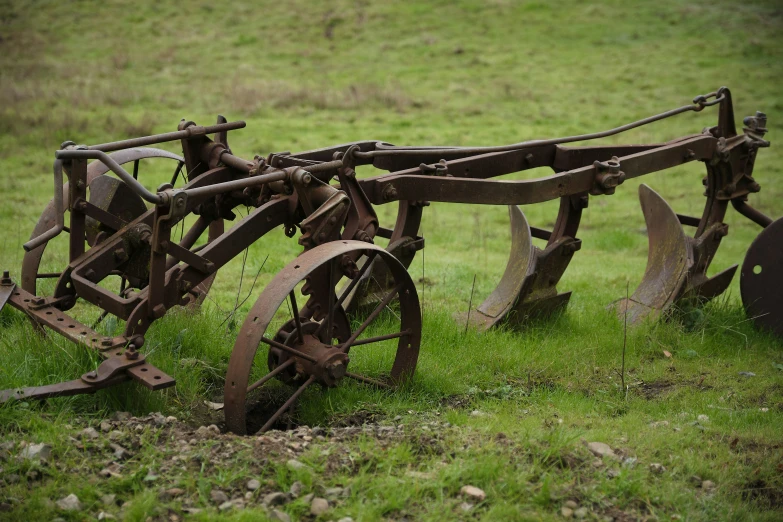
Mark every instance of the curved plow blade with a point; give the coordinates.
(761, 279)
(668, 260)
(521, 265)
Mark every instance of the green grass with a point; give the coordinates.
(306, 75)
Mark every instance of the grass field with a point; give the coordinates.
(508, 412)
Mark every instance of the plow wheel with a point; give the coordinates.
(403, 243)
(116, 198)
(761, 279)
(283, 340)
(125, 202)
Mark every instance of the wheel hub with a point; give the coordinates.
(328, 363)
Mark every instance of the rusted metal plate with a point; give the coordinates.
(520, 266)
(668, 260)
(61, 389)
(6, 289)
(761, 279)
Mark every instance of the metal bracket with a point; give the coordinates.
(608, 177)
(112, 367)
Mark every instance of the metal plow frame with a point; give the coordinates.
(112, 232)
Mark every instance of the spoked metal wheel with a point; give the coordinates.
(119, 200)
(315, 343)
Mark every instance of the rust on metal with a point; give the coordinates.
(345, 295)
(761, 279)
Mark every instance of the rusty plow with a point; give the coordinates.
(346, 308)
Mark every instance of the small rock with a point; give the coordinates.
(345, 519)
(248, 495)
(295, 465)
(225, 506)
(116, 435)
(296, 489)
(105, 516)
(37, 451)
(612, 473)
(581, 512)
(657, 468)
(659, 424)
(708, 485)
(279, 516)
(600, 449)
(275, 499)
(477, 413)
(215, 406)
(319, 506)
(90, 433)
(695, 481)
(308, 498)
(473, 492)
(253, 484)
(466, 506)
(747, 374)
(629, 462)
(175, 492)
(702, 418)
(171, 419)
(69, 503)
(31, 475)
(570, 504)
(192, 511)
(334, 493)
(121, 416)
(207, 431)
(120, 453)
(218, 497)
(105, 426)
(566, 512)
(112, 470)
(109, 500)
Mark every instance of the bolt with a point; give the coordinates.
(689, 154)
(6, 280)
(120, 255)
(322, 237)
(39, 301)
(91, 375)
(106, 341)
(306, 179)
(89, 274)
(163, 245)
(180, 203)
(754, 187)
(389, 193)
(80, 184)
(332, 220)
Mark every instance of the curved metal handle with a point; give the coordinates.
(115, 167)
